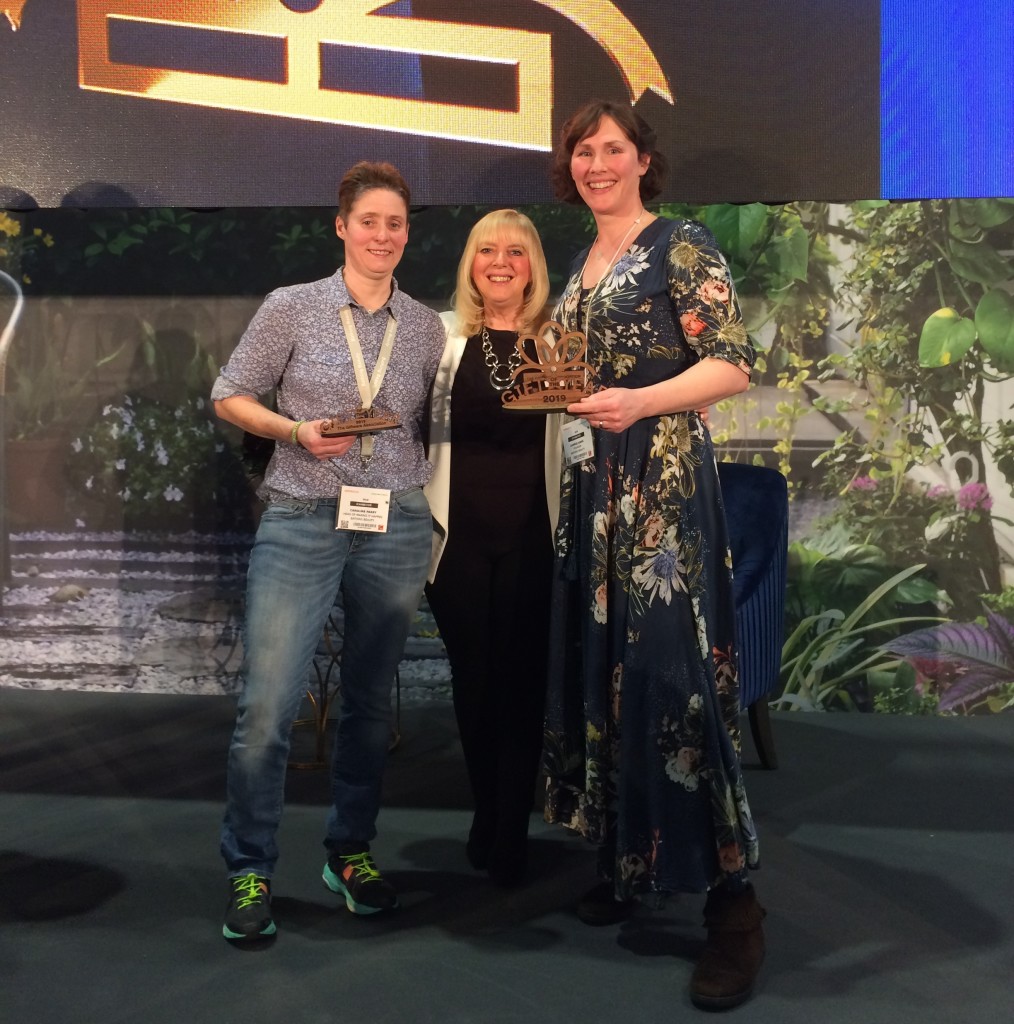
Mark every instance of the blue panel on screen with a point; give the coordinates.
(947, 98)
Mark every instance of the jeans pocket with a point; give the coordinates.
(413, 504)
(291, 508)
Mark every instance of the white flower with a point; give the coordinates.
(77, 444)
(600, 606)
(628, 508)
(125, 494)
(107, 410)
(79, 523)
(120, 464)
(626, 269)
(161, 455)
(702, 630)
(682, 768)
(140, 442)
(661, 570)
(941, 528)
(172, 493)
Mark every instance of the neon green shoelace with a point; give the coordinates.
(362, 864)
(253, 886)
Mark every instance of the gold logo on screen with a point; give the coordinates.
(301, 37)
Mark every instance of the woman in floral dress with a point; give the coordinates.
(642, 741)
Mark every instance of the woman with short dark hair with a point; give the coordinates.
(343, 512)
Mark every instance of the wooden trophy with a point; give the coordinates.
(553, 372)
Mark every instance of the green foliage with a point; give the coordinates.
(781, 260)
(157, 465)
(47, 374)
(170, 251)
(916, 522)
(933, 327)
(832, 659)
(831, 571)
(1002, 603)
(22, 249)
(898, 693)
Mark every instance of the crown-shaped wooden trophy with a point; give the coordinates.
(553, 372)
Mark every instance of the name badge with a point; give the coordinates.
(363, 508)
(577, 441)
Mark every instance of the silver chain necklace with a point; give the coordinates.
(500, 376)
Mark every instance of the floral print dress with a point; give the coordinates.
(642, 736)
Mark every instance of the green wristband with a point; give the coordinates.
(293, 437)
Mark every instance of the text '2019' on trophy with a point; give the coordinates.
(553, 372)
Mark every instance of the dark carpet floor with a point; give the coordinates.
(887, 877)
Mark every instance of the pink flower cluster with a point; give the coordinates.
(974, 496)
(863, 483)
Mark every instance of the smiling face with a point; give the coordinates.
(501, 271)
(375, 233)
(607, 170)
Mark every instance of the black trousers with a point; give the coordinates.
(491, 604)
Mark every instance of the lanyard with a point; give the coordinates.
(369, 385)
(592, 292)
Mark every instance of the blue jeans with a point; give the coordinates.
(297, 565)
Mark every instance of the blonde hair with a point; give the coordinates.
(502, 226)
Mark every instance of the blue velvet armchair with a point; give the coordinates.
(757, 512)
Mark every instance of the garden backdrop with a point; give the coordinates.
(885, 336)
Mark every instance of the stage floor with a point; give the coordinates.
(887, 875)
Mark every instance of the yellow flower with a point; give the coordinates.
(9, 226)
(685, 256)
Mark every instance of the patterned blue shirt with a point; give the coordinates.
(296, 343)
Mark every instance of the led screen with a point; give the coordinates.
(266, 102)
(947, 107)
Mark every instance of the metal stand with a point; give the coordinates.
(6, 337)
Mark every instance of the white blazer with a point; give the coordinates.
(438, 490)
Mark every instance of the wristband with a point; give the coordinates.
(294, 436)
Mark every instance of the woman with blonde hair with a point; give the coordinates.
(494, 497)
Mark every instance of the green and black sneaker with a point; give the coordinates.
(355, 876)
(248, 915)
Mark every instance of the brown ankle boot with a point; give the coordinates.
(726, 972)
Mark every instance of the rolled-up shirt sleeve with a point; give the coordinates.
(296, 345)
(259, 359)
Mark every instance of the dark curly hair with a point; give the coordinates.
(584, 122)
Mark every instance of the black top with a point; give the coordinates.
(497, 456)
